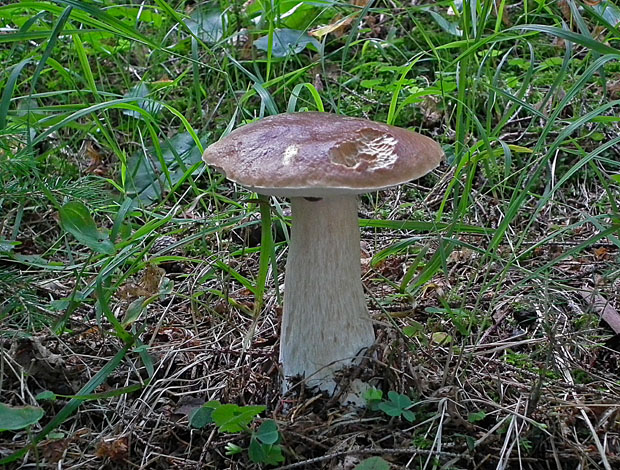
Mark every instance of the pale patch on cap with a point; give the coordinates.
(368, 150)
(289, 154)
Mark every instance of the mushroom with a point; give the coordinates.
(322, 161)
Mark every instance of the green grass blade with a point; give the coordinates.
(577, 38)
(399, 86)
(86, 70)
(292, 102)
(5, 101)
(266, 251)
(58, 27)
(107, 21)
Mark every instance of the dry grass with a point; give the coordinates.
(535, 385)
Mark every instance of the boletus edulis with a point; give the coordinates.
(322, 161)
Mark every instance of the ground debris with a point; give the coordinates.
(603, 308)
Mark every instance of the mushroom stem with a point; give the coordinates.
(325, 321)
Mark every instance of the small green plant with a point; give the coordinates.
(398, 405)
(476, 416)
(526, 444)
(373, 398)
(76, 219)
(14, 418)
(461, 318)
(233, 419)
(422, 442)
(518, 359)
(372, 463)
(264, 447)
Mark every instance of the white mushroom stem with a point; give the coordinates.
(325, 323)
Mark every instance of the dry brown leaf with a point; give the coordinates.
(565, 9)
(391, 268)
(53, 449)
(601, 252)
(613, 88)
(437, 287)
(338, 27)
(148, 285)
(430, 107)
(151, 279)
(604, 309)
(96, 165)
(116, 450)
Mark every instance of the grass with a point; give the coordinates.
(136, 284)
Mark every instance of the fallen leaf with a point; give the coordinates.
(565, 9)
(117, 450)
(338, 27)
(96, 159)
(147, 286)
(436, 287)
(604, 309)
(440, 338)
(600, 253)
(151, 279)
(53, 449)
(430, 107)
(614, 89)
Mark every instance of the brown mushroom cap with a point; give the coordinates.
(320, 154)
